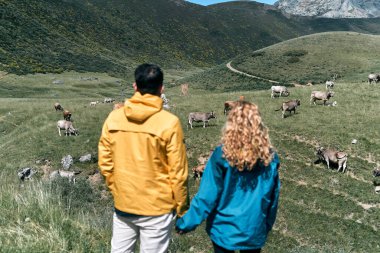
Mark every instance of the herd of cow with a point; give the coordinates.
(67, 124)
(326, 155)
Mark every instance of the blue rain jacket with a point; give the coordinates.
(240, 207)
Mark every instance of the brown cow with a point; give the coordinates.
(228, 106)
(331, 155)
(200, 117)
(320, 95)
(198, 171)
(58, 107)
(202, 160)
(185, 89)
(67, 115)
(289, 106)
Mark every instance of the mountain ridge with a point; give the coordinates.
(40, 36)
(331, 8)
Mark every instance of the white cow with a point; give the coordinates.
(329, 84)
(373, 78)
(67, 126)
(108, 100)
(165, 101)
(64, 173)
(200, 117)
(281, 90)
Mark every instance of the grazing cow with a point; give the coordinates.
(198, 171)
(164, 98)
(289, 106)
(202, 160)
(165, 101)
(64, 173)
(185, 89)
(94, 103)
(108, 100)
(118, 105)
(58, 107)
(241, 98)
(320, 95)
(200, 117)
(228, 106)
(67, 115)
(67, 126)
(373, 78)
(376, 172)
(329, 85)
(331, 155)
(281, 90)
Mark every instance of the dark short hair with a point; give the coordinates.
(149, 78)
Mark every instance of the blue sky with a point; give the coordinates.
(207, 2)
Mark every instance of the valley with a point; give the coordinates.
(78, 53)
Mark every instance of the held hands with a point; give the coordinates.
(179, 231)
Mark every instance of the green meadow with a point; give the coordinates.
(320, 210)
(315, 58)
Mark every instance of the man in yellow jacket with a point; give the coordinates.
(143, 159)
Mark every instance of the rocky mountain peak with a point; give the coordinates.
(331, 8)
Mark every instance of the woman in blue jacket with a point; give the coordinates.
(240, 186)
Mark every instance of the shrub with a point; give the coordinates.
(75, 196)
(257, 54)
(296, 53)
(293, 59)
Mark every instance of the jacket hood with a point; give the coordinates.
(141, 107)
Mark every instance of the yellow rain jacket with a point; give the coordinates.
(143, 158)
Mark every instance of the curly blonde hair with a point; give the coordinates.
(245, 139)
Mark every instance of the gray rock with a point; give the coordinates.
(58, 82)
(91, 78)
(331, 8)
(85, 158)
(67, 161)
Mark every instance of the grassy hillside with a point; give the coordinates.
(320, 210)
(315, 58)
(221, 79)
(111, 36)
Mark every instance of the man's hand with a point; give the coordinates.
(179, 232)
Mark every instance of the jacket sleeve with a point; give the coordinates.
(272, 212)
(207, 197)
(178, 169)
(105, 161)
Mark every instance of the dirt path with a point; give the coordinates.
(228, 65)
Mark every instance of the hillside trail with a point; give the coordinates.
(228, 65)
